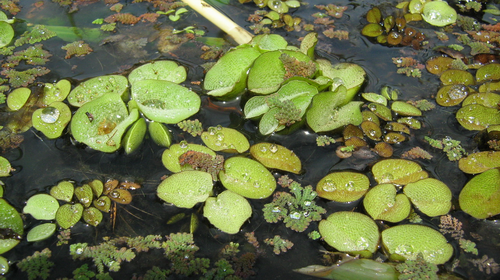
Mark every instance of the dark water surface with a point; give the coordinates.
(41, 163)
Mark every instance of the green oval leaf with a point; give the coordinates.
(480, 197)
(69, 214)
(488, 72)
(5, 167)
(372, 30)
(431, 196)
(455, 76)
(478, 117)
(405, 109)
(160, 134)
(52, 120)
(327, 112)
(398, 171)
(406, 242)
(170, 157)
(350, 232)
(84, 194)
(383, 203)
(479, 162)
(96, 87)
(9, 219)
(439, 13)
(6, 34)
(227, 78)
(56, 92)
(164, 101)
(276, 157)
(225, 139)
(101, 122)
(343, 186)
(42, 207)
(41, 232)
(186, 188)
(63, 191)
(247, 177)
(17, 98)
(92, 216)
(164, 70)
(228, 211)
(134, 136)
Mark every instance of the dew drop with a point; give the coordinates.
(50, 115)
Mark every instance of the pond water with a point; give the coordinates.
(41, 163)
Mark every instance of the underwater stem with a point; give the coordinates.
(238, 33)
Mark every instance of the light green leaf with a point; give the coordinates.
(69, 214)
(350, 232)
(228, 211)
(186, 188)
(247, 177)
(9, 219)
(406, 242)
(41, 232)
(164, 70)
(6, 34)
(52, 120)
(101, 123)
(97, 87)
(63, 191)
(42, 207)
(164, 101)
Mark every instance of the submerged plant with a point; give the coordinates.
(297, 210)
(37, 265)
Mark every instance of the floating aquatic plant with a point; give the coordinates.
(23, 78)
(180, 250)
(324, 140)
(296, 209)
(350, 232)
(486, 264)
(280, 245)
(452, 148)
(416, 152)
(228, 211)
(77, 48)
(37, 265)
(417, 269)
(37, 34)
(33, 55)
(193, 127)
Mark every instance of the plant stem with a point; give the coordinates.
(240, 35)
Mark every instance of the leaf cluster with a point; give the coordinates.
(33, 55)
(77, 48)
(37, 265)
(37, 34)
(280, 245)
(103, 255)
(180, 250)
(417, 269)
(193, 127)
(297, 209)
(451, 147)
